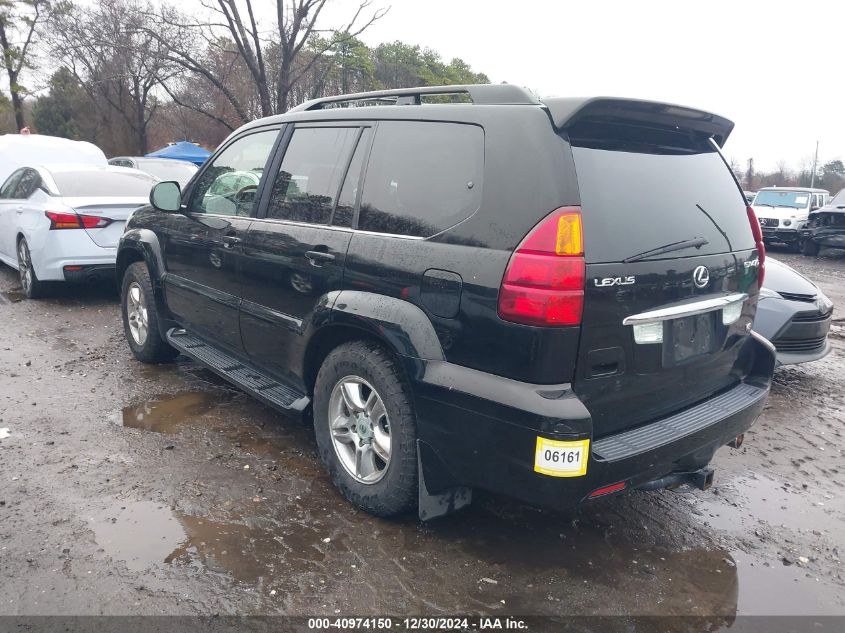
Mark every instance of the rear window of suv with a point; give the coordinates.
(635, 201)
(422, 177)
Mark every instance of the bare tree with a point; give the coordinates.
(272, 58)
(19, 24)
(784, 173)
(735, 168)
(749, 175)
(110, 48)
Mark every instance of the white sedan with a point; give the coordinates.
(63, 222)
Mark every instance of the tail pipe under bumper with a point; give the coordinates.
(701, 479)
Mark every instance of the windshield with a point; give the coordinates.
(793, 199)
(838, 199)
(74, 184)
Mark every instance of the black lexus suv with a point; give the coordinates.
(467, 287)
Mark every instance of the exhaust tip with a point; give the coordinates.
(737, 441)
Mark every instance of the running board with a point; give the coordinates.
(252, 380)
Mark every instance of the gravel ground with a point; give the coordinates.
(132, 489)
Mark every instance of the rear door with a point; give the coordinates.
(665, 233)
(295, 250)
(27, 212)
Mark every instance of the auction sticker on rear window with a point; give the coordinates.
(561, 459)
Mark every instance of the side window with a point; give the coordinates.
(228, 185)
(29, 182)
(8, 188)
(310, 175)
(422, 177)
(121, 162)
(345, 210)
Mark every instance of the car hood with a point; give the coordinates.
(781, 213)
(831, 208)
(784, 279)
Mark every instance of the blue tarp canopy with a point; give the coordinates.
(183, 150)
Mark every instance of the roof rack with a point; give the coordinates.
(480, 94)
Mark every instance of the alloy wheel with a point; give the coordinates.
(360, 429)
(136, 313)
(25, 266)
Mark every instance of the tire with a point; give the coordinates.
(140, 317)
(32, 287)
(354, 371)
(809, 247)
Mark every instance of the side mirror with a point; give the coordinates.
(814, 207)
(166, 196)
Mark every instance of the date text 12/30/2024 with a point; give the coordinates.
(376, 624)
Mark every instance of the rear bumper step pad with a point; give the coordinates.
(645, 438)
(250, 379)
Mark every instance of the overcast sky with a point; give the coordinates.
(775, 68)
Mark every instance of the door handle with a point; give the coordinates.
(230, 240)
(318, 258)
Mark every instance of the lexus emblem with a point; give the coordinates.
(701, 277)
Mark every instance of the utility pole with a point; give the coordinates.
(815, 161)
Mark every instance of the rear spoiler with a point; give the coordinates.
(567, 111)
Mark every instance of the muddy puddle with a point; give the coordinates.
(141, 534)
(167, 414)
(307, 545)
(236, 420)
(749, 500)
(775, 590)
(12, 296)
(529, 562)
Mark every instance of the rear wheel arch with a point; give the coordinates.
(20, 237)
(329, 338)
(401, 327)
(140, 245)
(125, 258)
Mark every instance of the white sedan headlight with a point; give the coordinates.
(824, 304)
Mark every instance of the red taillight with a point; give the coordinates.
(544, 281)
(63, 220)
(74, 221)
(94, 221)
(758, 241)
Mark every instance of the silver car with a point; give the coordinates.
(180, 171)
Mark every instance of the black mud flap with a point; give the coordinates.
(439, 504)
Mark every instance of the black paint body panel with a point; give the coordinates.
(484, 389)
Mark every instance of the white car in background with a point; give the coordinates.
(19, 150)
(63, 222)
(164, 169)
(783, 212)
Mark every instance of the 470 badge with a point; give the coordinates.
(561, 459)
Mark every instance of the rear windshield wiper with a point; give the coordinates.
(695, 242)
